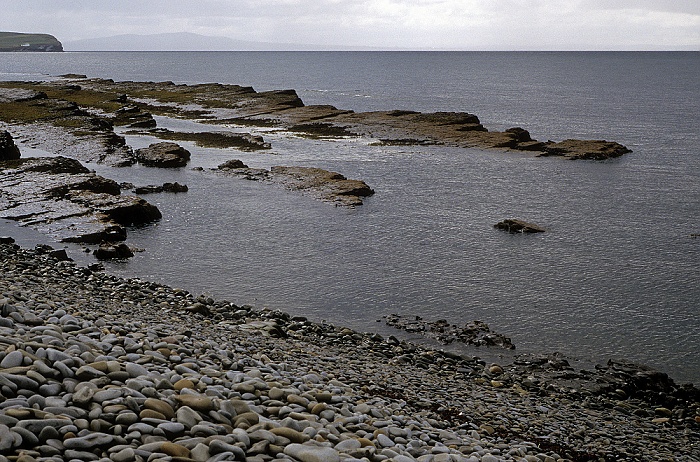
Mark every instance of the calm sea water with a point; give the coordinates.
(617, 275)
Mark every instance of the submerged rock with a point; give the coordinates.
(519, 226)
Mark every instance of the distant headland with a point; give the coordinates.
(17, 41)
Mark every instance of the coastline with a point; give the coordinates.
(269, 384)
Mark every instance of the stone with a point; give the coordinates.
(292, 435)
(113, 252)
(163, 155)
(12, 359)
(89, 441)
(160, 406)
(8, 148)
(197, 402)
(309, 453)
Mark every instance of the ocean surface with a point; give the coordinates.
(617, 275)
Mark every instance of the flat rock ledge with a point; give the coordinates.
(325, 185)
(60, 197)
(98, 368)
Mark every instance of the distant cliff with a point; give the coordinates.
(16, 41)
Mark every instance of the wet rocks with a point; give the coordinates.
(152, 189)
(219, 139)
(328, 186)
(8, 148)
(475, 333)
(284, 109)
(163, 155)
(113, 251)
(585, 149)
(62, 198)
(96, 367)
(515, 226)
(325, 185)
(133, 117)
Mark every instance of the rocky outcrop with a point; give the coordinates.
(514, 226)
(8, 148)
(222, 104)
(60, 125)
(163, 155)
(60, 197)
(585, 149)
(323, 184)
(219, 139)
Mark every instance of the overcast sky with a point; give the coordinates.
(416, 24)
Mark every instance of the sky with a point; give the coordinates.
(411, 24)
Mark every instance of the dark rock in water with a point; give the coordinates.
(329, 186)
(518, 226)
(8, 148)
(166, 187)
(219, 139)
(7, 240)
(475, 333)
(233, 163)
(323, 184)
(164, 155)
(113, 251)
(521, 134)
(586, 149)
(59, 254)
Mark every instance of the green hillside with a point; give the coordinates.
(16, 41)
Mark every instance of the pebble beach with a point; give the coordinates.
(98, 368)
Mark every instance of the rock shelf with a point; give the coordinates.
(63, 199)
(328, 186)
(94, 367)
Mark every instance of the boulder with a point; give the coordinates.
(164, 154)
(113, 251)
(233, 163)
(8, 148)
(518, 226)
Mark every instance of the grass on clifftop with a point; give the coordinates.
(17, 40)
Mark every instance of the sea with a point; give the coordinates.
(616, 275)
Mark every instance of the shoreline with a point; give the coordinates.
(323, 392)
